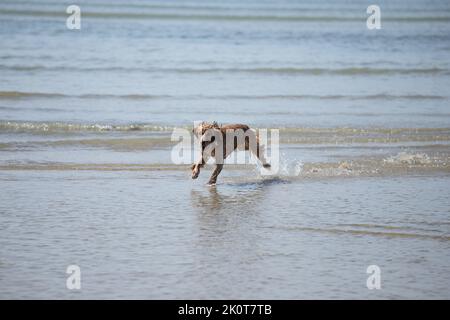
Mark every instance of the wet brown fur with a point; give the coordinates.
(201, 129)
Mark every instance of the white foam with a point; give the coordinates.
(410, 159)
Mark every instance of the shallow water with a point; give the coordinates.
(160, 235)
(87, 178)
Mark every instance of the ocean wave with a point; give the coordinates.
(21, 94)
(350, 71)
(44, 127)
(69, 126)
(116, 144)
(227, 6)
(213, 16)
(302, 136)
(409, 159)
(51, 95)
(8, 95)
(365, 136)
(376, 166)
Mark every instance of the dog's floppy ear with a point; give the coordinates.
(204, 127)
(197, 129)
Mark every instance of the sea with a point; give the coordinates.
(88, 179)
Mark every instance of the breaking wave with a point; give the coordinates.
(46, 127)
(288, 135)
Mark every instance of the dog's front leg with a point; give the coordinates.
(200, 164)
(215, 174)
(196, 170)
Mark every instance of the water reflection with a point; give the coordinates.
(235, 197)
(207, 200)
(231, 208)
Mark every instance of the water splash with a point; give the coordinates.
(409, 159)
(287, 168)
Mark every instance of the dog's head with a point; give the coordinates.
(201, 129)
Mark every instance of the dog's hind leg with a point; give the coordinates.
(215, 174)
(252, 144)
(258, 151)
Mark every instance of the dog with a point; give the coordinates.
(213, 139)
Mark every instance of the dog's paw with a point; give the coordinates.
(267, 165)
